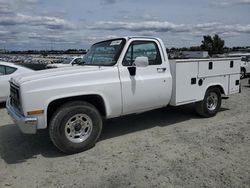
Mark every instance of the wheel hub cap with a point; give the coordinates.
(78, 128)
(212, 101)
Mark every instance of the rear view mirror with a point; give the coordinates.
(141, 61)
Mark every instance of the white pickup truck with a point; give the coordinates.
(118, 77)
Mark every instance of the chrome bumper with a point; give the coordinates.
(27, 125)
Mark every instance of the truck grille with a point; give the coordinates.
(15, 96)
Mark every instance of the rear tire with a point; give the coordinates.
(75, 127)
(211, 103)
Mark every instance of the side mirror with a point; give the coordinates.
(141, 61)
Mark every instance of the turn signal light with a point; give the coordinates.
(36, 112)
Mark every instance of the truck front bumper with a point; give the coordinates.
(27, 125)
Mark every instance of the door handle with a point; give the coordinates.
(161, 70)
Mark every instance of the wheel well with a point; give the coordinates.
(219, 87)
(95, 100)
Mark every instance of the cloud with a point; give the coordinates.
(244, 2)
(4, 9)
(14, 13)
(28, 22)
(151, 27)
(11, 6)
(20, 25)
(156, 26)
(48, 22)
(108, 2)
(222, 29)
(227, 3)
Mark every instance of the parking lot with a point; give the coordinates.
(168, 147)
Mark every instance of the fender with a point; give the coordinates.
(220, 86)
(52, 99)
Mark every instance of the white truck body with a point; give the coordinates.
(147, 82)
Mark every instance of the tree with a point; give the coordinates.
(218, 44)
(214, 45)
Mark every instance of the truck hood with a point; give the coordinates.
(50, 73)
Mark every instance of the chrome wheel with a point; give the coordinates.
(78, 128)
(212, 101)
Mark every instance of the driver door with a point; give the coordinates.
(148, 88)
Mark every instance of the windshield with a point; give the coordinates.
(104, 53)
(67, 60)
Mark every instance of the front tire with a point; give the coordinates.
(211, 103)
(75, 127)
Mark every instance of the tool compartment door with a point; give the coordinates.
(234, 84)
(217, 67)
(185, 86)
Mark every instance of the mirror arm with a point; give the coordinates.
(132, 70)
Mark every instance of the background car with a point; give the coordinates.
(6, 71)
(245, 66)
(66, 62)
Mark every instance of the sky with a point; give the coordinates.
(64, 24)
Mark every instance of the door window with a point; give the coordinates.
(142, 48)
(2, 70)
(10, 70)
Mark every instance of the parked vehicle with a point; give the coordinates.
(6, 71)
(66, 62)
(245, 66)
(119, 77)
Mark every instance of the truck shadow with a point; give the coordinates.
(16, 147)
(156, 118)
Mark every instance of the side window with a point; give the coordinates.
(78, 61)
(2, 70)
(142, 48)
(10, 70)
